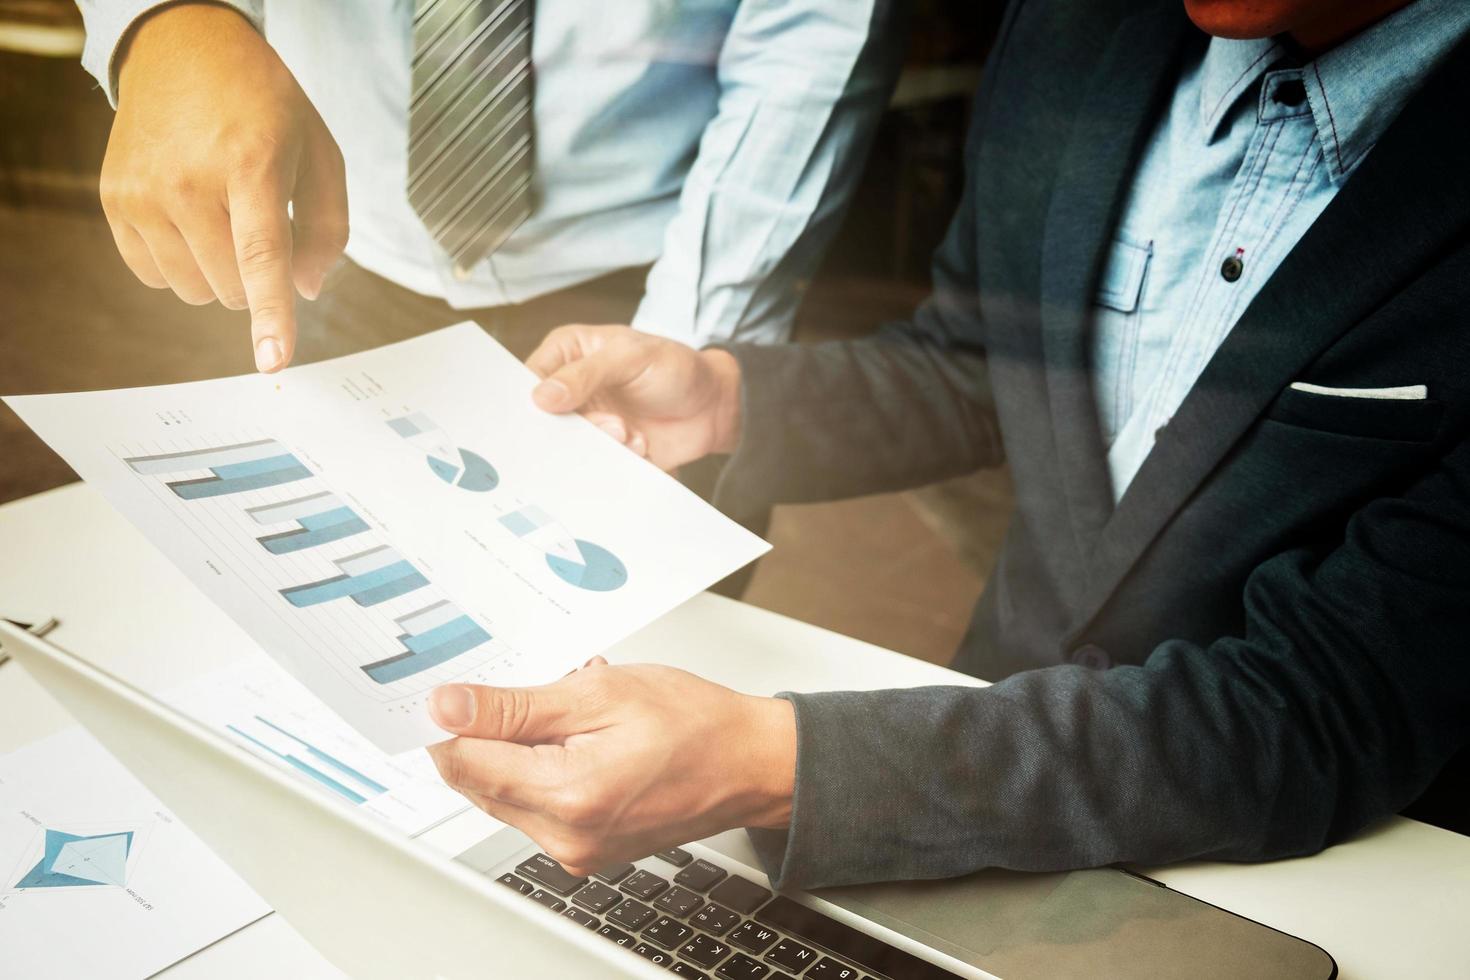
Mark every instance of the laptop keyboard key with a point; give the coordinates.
(741, 895)
(581, 918)
(653, 954)
(547, 899)
(714, 919)
(644, 885)
(678, 901)
(597, 897)
(616, 935)
(752, 937)
(614, 874)
(700, 875)
(524, 887)
(704, 951)
(548, 874)
(688, 972)
(829, 969)
(632, 914)
(741, 967)
(668, 933)
(676, 856)
(791, 955)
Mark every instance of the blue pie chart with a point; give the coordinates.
(599, 570)
(474, 473)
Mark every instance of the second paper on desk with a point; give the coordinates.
(397, 519)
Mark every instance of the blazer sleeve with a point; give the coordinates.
(905, 407)
(1346, 695)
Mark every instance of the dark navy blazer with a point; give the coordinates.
(1265, 645)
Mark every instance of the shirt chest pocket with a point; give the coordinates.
(1121, 286)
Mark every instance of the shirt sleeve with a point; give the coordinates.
(107, 22)
(802, 86)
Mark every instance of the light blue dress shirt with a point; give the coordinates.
(1246, 158)
(718, 140)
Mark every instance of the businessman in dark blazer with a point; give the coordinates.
(1208, 291)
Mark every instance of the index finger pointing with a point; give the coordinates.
(262, 233)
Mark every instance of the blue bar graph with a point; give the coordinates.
(367, 578)
(367, 589)
(326, 757)
(315, 529)
(237, 468)
(429, 649)
(303, 767)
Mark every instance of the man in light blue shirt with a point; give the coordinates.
(715, 141)
(1255, 144)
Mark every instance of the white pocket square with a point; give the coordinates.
(1403, 393)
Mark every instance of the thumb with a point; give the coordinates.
(506, 714)
(577, 382)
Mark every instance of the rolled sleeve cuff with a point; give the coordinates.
(108, 23)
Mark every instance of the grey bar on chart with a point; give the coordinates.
(290, 510)
(423, 620)
(411, 425)
(199, 459)
(367, 561)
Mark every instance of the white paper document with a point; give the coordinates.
(397, 519)
(270, 714)
(99, 880)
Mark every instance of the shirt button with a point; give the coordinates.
(460, 273)
(1231, 268)
(1091, 655)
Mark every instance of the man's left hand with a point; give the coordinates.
(611, 764)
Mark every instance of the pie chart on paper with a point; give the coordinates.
(472, 473)
(599, 570)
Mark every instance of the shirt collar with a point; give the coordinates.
(1356, 89)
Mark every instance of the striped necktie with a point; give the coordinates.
(469, 123)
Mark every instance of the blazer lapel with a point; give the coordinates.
(1395, 213)
(1125, 95)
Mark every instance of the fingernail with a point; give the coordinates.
(638, 444)
(452, 706)
(552, 393)
(268, 354)
(615, 429)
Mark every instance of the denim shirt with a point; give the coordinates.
(1248, 155)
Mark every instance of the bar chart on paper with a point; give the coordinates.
(304, 548)
(271, 714)
(390, 521)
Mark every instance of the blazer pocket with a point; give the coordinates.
(1358, 414)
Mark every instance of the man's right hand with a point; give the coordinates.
(213, 140)
(662, 399)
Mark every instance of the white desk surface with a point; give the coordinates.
(1394, 902)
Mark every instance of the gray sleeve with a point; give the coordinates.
(108, 22)
(1348, 692)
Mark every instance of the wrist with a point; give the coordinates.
(771, 763)
(725, 369)
(171, 29)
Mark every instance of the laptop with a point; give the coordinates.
(378, 904)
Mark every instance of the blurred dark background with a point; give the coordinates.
(898, 570)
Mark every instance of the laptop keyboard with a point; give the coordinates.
(704, 923)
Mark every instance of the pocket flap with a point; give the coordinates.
(1122, 277)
